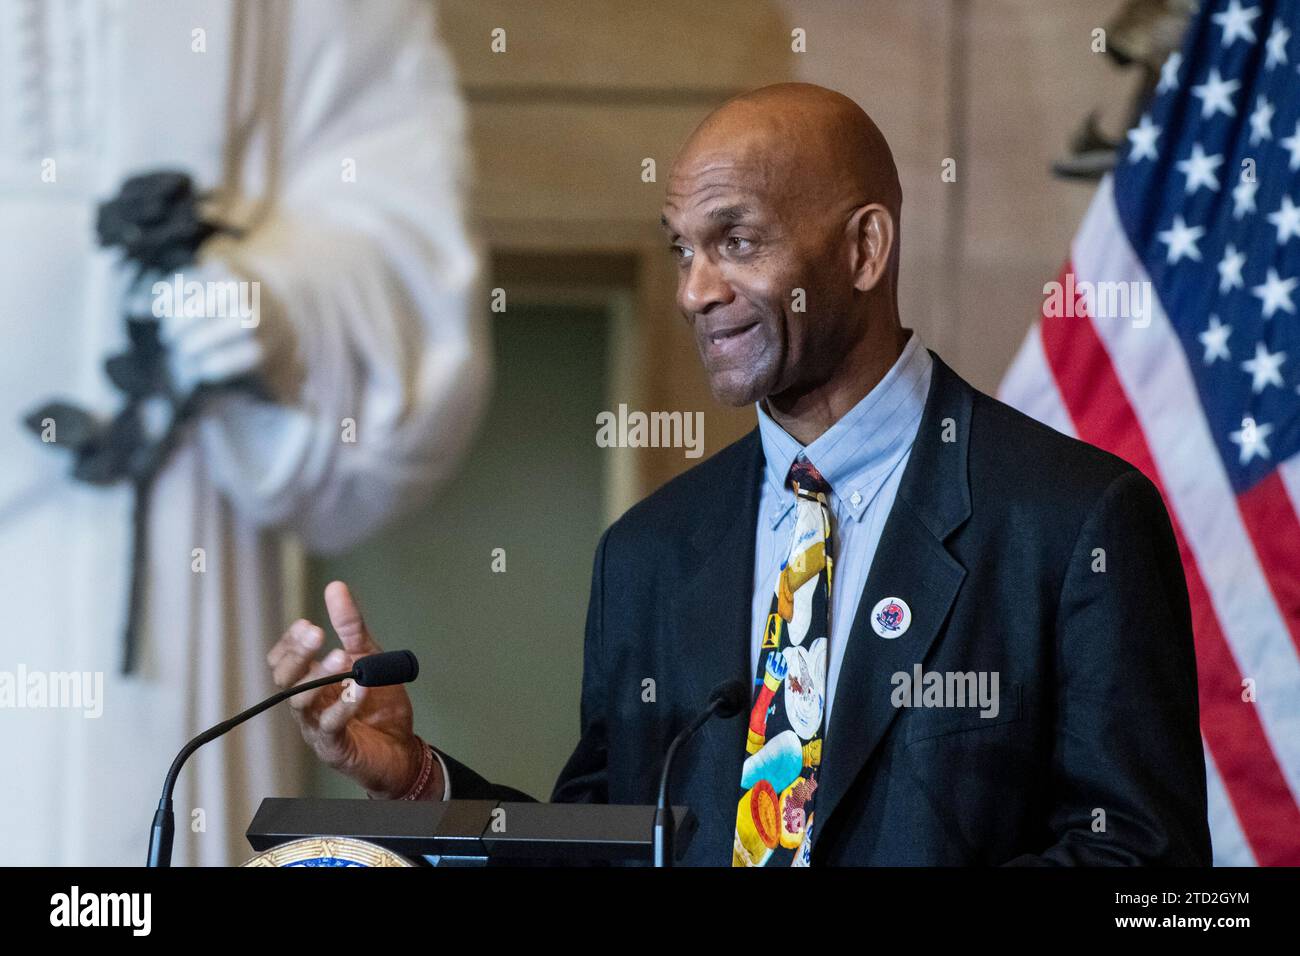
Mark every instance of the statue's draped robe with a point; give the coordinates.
(338, 145)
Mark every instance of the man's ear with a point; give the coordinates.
(873, 234)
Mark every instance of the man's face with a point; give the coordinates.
(743, 246)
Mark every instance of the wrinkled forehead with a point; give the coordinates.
(742, 173)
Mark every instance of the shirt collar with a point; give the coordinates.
(856, 454)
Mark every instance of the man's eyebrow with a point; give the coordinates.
(721, 215)
(727, 215)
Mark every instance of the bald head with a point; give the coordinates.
(819, 144)
(782, 211)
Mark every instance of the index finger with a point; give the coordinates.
(347, 620)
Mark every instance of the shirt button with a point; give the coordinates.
(856, 499)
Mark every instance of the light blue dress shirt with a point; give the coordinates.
(863, 457)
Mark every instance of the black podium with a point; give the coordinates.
(474, 832)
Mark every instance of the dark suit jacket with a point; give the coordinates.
(1020, 551)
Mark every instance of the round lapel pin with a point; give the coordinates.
(891, 617)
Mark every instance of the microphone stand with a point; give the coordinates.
(163, 830)
(664, 824)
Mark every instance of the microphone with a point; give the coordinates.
(382, 670)
(727, 700)
(374, 670)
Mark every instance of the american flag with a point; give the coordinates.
(1201, 390)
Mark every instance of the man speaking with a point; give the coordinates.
(967, 635)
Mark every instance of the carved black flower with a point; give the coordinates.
(104, 451)
(156, 220)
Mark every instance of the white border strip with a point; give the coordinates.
(1030, 386)
(1228, 841)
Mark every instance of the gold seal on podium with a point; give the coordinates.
(328, 851)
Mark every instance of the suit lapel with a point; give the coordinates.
(912, 563)
(712, 616)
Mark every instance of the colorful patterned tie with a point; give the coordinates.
(774, 820)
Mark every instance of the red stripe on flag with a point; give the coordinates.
(1097, 403)
(1274, 529)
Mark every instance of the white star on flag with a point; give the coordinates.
(1215, 340)
(1236, 23)
(1199, 170)
(1230, 270)
(1243, 196)
(1275, 294)
(1286, 219)
(1261, 121)
(1215, 94)
(1264, 368)
(1292, 143)
(1169, 73)
(1251, 439)
(1143, 137)
(1276, 45)
(1181, 239)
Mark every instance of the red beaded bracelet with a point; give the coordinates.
(426, 771)
(422, 781)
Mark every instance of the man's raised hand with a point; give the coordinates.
(366, 733)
